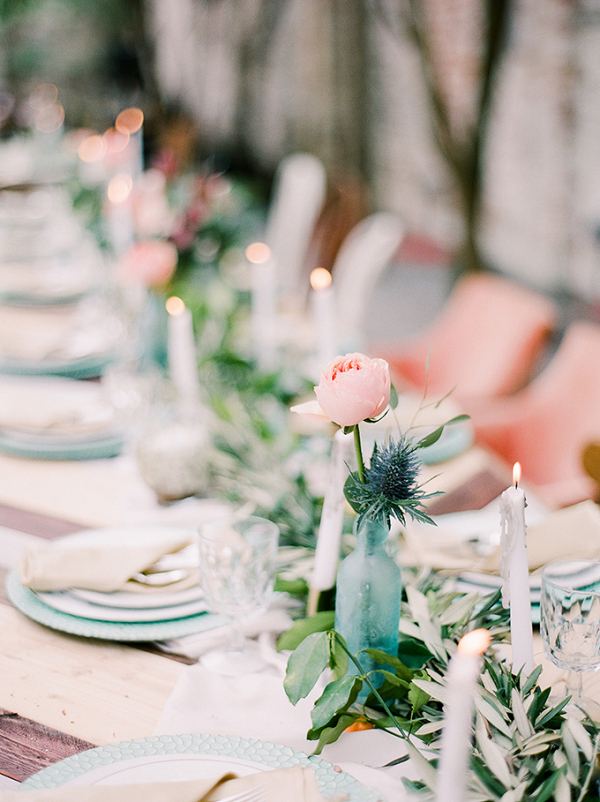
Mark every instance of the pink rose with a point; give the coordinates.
(150, 262)
(353, 388)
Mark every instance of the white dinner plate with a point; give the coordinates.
(485, 584)
(129, 600)
(164, 758)
(30, 605)
(64, 601)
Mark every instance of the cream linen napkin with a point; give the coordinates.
(570, 533)
(295, 784)
(206, 702)
(104, 564)
(55, 332)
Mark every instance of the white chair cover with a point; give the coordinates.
(364, 255)
(299, 193)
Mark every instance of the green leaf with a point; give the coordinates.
(553, 712)
(531, 680)
(458, 419)
(421, 764)
(431, 438)
(328, 735)
(295, 587)
(434, 689)
(546, 789)
(434, 436)
(338, 655)
(300, 629)
(486, 777)
(413, 653)
(349, 429)
(354, 492)
(393, 397)
(538, 704)
(337, 697)
(393, 679)
(383, 658)
(417, 697)
(581, 736)
(305, 666)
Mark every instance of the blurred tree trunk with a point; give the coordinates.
(253, 53)
(463, 150)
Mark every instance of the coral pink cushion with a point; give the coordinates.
(548, 424)
(485, 343)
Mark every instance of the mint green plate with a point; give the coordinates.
(108, 446)
(88, 367)
(30, 605)
(165, 758)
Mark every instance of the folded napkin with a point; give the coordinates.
(53, 406)
(104, 564)
(295, 784)
(572, 533)
(49, 333)
(470, 541)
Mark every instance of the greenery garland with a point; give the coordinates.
(526, 747)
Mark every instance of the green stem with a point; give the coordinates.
(359, 456)
(371, 686)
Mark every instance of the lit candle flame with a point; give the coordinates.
(92, 148)
(174, 305)
(517, 473)
(119, 188)
(116, 141)
(257, 253)
(474, 642)
(320, 278)
(129, 120)
(50, 118)
(43, 96)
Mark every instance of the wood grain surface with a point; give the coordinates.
(27, 746)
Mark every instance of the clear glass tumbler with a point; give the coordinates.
(237, 574)
(570, 622)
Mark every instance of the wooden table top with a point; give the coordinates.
(61, 694)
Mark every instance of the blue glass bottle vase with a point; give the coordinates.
(368, 594)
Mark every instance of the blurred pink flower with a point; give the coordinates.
(149, 262)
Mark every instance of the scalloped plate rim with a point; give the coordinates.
(70, 769)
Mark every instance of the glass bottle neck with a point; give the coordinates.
(370, 535)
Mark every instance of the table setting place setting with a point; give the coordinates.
(338, 642)
(420, 648)
(57, 417)
(163, 583)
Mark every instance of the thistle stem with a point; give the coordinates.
(359, 455)
(374, 690)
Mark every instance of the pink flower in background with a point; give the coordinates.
(149, 262)
(353, 388)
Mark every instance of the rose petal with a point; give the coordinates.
(310, 409)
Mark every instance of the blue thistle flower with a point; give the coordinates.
(390, 486)
(393, 471)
